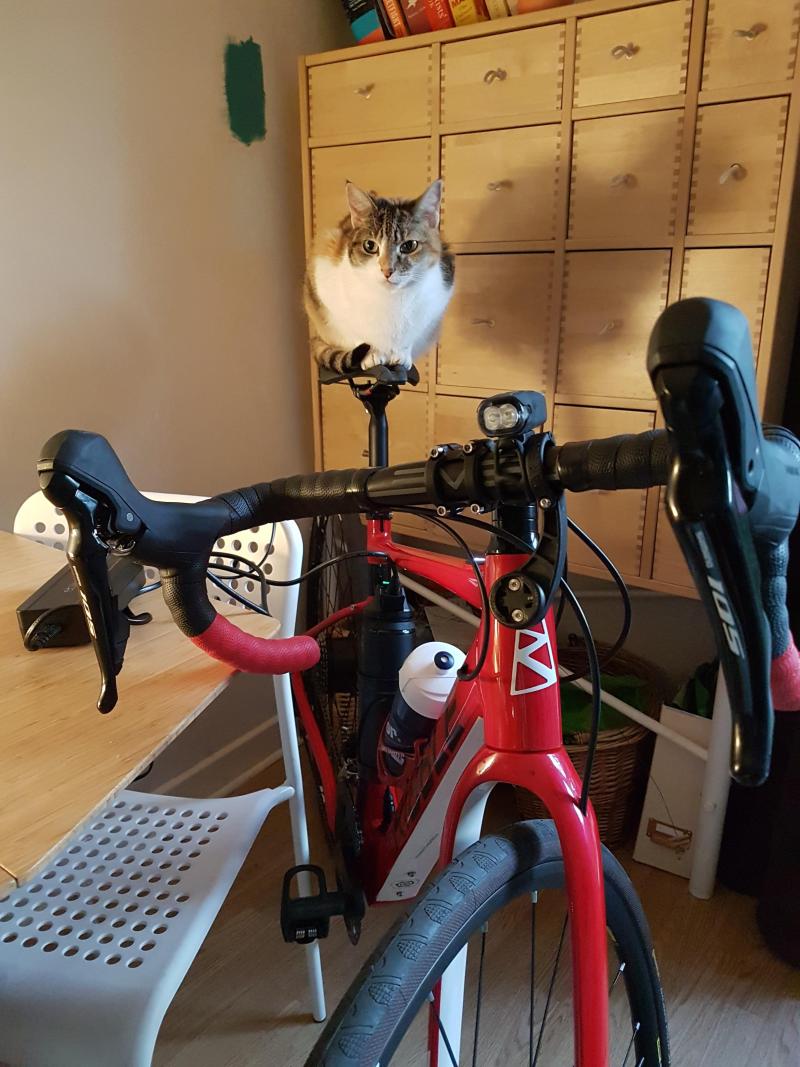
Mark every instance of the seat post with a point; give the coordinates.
(375, 397)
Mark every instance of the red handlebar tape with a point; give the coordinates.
(256, 655)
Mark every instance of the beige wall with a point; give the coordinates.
(149, 263)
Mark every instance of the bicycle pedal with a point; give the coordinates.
(306, 918)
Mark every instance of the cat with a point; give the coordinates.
(377, 287)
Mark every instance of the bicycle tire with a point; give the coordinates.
(394, 983)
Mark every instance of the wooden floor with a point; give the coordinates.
(244, 1003)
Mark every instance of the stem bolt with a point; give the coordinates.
(518, 615)
(514, 585)
(546, 502)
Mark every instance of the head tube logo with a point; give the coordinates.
(534, 665)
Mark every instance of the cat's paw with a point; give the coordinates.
(374, 358)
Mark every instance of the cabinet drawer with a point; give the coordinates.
(737, 166)
(375, 95)
(501, 186)
(497, 332)
(614, 520)
(736, 275)
(749, 41)
(504, 77)
(632, 55)
(396, 168)
(624, 177)
(668, 562)
(345, 427)
(455, 419)
(611, 301)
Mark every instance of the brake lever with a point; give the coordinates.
(108, 627)
(701, 365)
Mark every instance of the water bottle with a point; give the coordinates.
(426, 680)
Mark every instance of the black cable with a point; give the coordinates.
(356, 554)
(236, 596)
(462, 674)
(251, 571)
(594, 668)
(625, 595)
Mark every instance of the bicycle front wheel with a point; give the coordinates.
(505, 895)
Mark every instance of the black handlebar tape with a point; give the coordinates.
(302, 496)
(186, 596)
(629, 461)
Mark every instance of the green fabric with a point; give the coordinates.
(244, 91)
(697, 696)
(576, 706)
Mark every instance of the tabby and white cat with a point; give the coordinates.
(377, 287)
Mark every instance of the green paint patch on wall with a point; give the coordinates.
(244, 91)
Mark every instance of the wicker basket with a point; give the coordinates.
(622, 759)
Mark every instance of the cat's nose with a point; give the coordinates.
(387, 272)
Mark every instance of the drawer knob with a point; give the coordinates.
(624, 51)
(628, 180)
(365, 91)
(484, 322)
(495, 75)
(735, 172)
(750, 35)
(609, 327)
(495, 187)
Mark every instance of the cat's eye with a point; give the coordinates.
(407, 247)
(370, 247)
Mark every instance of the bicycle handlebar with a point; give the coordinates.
(731, 493)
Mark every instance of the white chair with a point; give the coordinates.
(94, 947)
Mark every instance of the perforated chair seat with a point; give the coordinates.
(93, 949)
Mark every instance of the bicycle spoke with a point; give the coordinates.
(442, 1030)
(534, 901)
(550, 992)
(616, 978)
(479, 995)
(630, 1046)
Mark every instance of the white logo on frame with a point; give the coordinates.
(534, 666)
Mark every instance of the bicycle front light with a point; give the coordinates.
(511, 414)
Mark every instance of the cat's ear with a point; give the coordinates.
(361, 205)
(427, 207)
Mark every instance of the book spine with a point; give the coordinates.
(416, 16)
(365, 21)
(439, 14)
(498, 9)
(465, 12)
(394, 13)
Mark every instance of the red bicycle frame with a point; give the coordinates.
(505, 726)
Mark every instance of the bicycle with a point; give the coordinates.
(732, 492)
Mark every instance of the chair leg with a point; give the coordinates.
(297, 816)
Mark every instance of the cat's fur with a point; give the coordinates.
(377, 304)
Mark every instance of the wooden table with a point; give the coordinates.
(60, 759)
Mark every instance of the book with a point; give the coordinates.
(365, 20)
(439, 14)
(498, 9)
(465, 12)
(416, 16)
(394, 13)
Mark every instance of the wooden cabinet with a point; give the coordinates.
(750, 41)
(630, 55)
(736, 275)
(345, 424)
(611, 300)
(600, 159)
(501, 185)
(502, 79)
(360, 97)
(737, 166)
(498, 330)
(625, 177)
(398, 168)
(614, 520)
